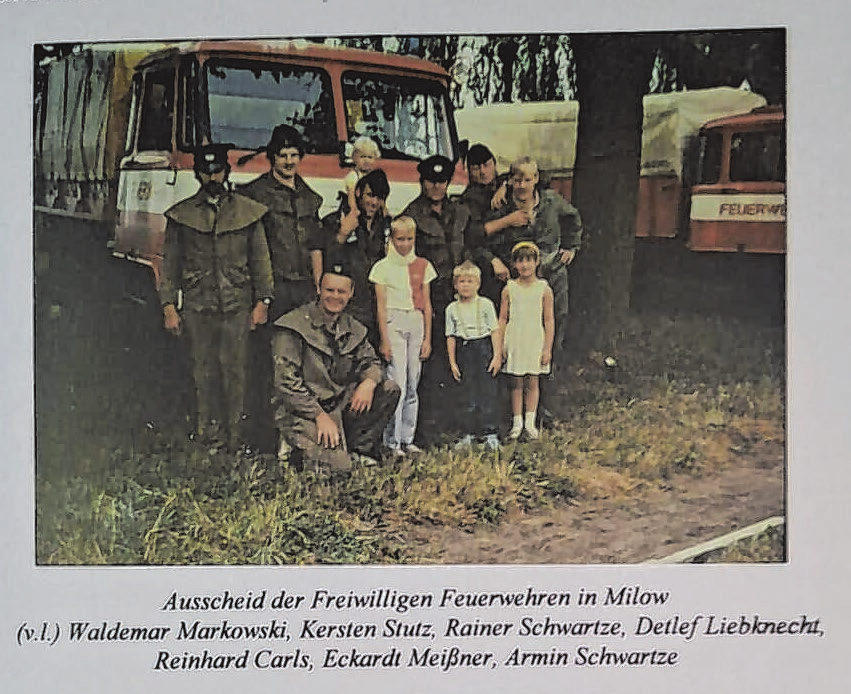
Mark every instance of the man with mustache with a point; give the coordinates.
(215, 254)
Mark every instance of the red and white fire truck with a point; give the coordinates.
(118, 124)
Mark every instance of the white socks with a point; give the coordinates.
(516, 427)
(518, 424)
(529, 425)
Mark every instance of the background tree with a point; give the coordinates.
(614, 71)
(710, 59)
(612, 74)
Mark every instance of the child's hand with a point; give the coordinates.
(546, 357)
(348, 223)
(456, 372)
(495, 365)
(498, 199)
(425, 350)
(386, 350)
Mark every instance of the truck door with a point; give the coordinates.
(148, 181)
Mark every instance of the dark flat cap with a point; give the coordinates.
(212, 158)
(334, 262)
(478, 155)
(436, 168)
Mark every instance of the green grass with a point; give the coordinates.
(768, 546)
(687, 396)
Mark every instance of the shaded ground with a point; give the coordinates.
(650, 524)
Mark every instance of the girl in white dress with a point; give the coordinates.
(527, 324)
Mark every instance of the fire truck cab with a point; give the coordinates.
(738, 202)
(238, 91)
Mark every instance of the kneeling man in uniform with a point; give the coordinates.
(331, 399)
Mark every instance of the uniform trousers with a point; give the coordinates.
(436, 376)
(218, 347)
(358, 432)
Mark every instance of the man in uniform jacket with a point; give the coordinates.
(441, 226)
(548, 220)
(478, 197)
(215, 254)
(332, 400)
(292, 220)
(292, 231)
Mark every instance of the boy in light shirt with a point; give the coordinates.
(475, 357)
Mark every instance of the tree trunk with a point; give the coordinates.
(612, 74)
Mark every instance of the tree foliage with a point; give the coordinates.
(500, 68)
(695, 60)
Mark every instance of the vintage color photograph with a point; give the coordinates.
(495, 299)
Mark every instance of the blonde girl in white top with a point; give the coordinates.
(403, 308)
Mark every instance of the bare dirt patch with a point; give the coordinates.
(655, 521)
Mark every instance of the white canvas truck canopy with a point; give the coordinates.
(546, 131)
(83, 90)
(73, 133)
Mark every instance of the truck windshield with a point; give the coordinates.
(155, 120)
(247, 99)
(408, 118)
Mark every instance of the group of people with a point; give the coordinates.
(320, 329)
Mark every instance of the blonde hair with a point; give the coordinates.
(521, 162)
(467, 269)
(366, 145)
(402, 223)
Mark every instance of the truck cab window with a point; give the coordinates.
(758, 156)
(157, 115)
(246, 100)
(710, 158)
(408, 118)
